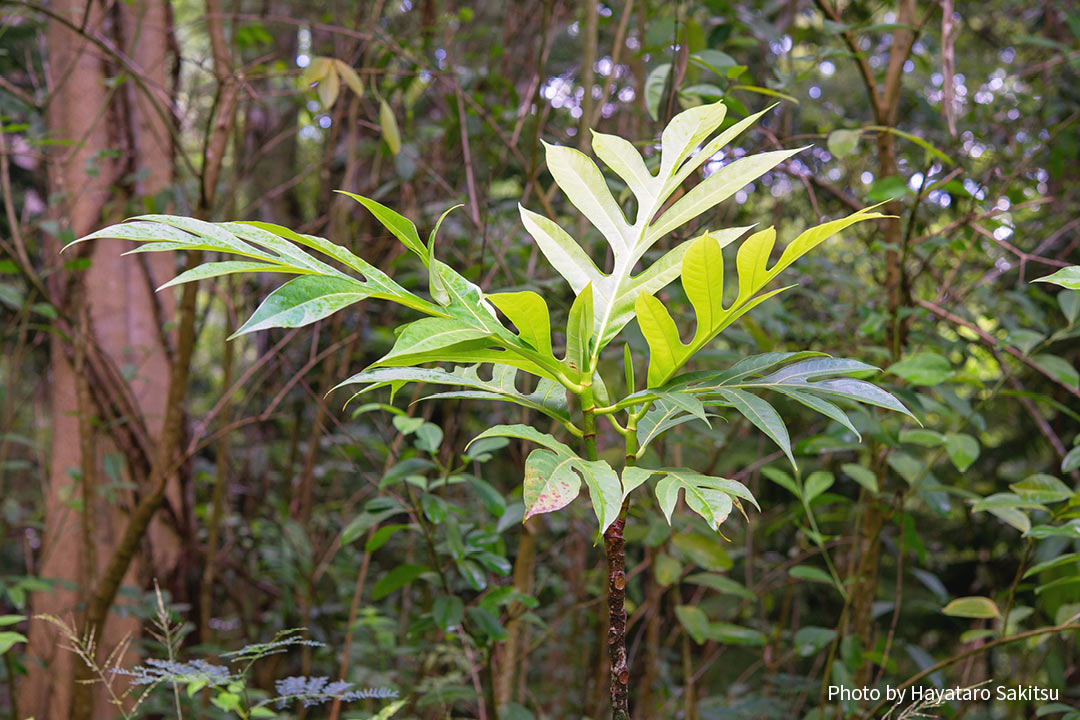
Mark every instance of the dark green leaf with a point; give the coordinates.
(925, 368)
(396, 579)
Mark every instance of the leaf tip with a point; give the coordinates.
(242, 330)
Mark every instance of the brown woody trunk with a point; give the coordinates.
(616, 565)
(122, 318)
(887, 110)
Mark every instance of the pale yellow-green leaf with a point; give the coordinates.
(711, 148)
(561, 250)
(810, 239)
(716, 188)
(529, 313)
(351, 78)
(623, 158)
(752, 263)
(703, 281)
(686, 131)
(328, 88)
(579, 330)
(733, 313)
(933, 151)
(614, 306)
(658, 275)
(972, 607)
(389, 127)
(843, 142)
(766, 91)
(314, 72)
(614, 311)
(585, 187)
(665, 348)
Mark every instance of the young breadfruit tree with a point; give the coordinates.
(467, 328)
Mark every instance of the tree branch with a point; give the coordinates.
(993, 342)
(860, 58)
(1070, 625)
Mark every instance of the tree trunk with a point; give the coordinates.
(874, 519)
(616, 567)
(513, 663)
(122, 318)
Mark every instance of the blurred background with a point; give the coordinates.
(138, 445)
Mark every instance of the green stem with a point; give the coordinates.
(630, 438)
(588, 422)
(1012, 588)
(824, 550)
